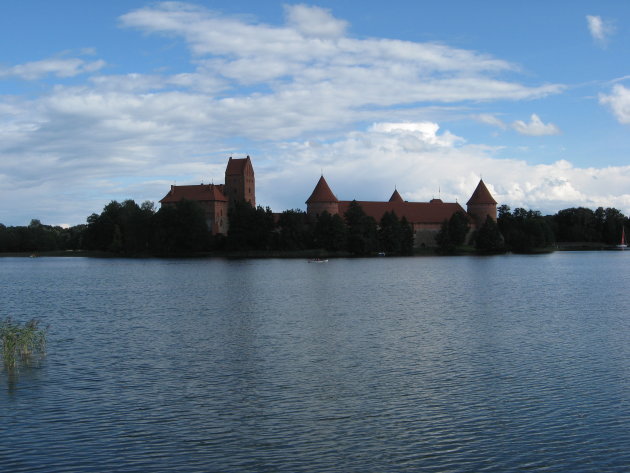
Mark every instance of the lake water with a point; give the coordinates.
(463, 364)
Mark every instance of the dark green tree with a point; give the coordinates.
(445, 243)
(578, 224)
(525, 231)
(488, 238)
(101, 228)
(121, 228)
(9, 240)
(362, 233)
(250, 228)
(406, 246)
(330, 232)
(458, 226)
(452, 233)
(294, 232)
(390, 234)
(612, 225)
(180, 228)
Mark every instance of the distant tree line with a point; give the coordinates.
(585, 225)
(127, 228)
(132, 229)
(355, 232)
(526, 231)
(39, 237)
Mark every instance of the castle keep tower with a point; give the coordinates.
(215, 200)
(481, 204)
(240, 185)
(322, 199)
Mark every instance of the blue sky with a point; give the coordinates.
(112, 100)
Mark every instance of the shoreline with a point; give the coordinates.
(301, 254)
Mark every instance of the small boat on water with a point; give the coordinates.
(623, 245)
(318, 260)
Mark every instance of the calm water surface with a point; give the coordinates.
(466, 364)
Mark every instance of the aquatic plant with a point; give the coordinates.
(21, 343)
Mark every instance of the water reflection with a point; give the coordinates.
(410, 364)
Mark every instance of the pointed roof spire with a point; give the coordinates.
(481, 195)
(396, 197)
(322, 193)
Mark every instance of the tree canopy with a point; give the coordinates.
(524, 231)
(130, 229)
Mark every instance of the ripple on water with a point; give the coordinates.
(421, 364)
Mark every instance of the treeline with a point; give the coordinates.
(585, 225)
(39, 237)
(130, 229)
(127, 228)
(525, 231)
(355, 232)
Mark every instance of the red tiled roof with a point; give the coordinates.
(322, 193)
(396, 197)
(414, 212)
(199, 193)
(481, 195)
(236, 166)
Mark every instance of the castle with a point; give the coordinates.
(215, 199)
(425, 217)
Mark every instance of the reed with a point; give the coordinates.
(22, 344)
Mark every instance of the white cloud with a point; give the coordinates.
(599, 29)
(314, 21)
(490, 119)
(308, 76)
(535, 127)
(425, 132)
(619, 102)
(292, 96)
(368, 165)
(58, 67)
(311, 55)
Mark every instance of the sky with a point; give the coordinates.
(117, 100)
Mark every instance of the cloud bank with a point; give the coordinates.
(299, 97)
(419, 160)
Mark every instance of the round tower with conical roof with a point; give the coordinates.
(481, 204)
(322, 200)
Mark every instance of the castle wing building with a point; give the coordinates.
(426, 218)
(215, 199)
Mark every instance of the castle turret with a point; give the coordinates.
(240, 185)
(322, 199)
(396, 197)
(481, 204)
